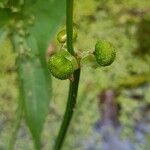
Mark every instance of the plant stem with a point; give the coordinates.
(17, 123)
(19, 111)
(69, 25)
(73, 89)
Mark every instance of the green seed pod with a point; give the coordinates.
(62, 36)
(62, 65)
(104, 53)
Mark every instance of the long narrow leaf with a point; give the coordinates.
(34, 89)
(32, 68)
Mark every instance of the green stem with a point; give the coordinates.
(69, 25)
(73, 89)
(19, 111)
(17, 123)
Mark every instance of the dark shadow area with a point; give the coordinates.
(143, 35)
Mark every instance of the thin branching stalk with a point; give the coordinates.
(19, 110)
(73, 89)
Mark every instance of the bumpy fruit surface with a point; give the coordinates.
(105, 53)
(62, 65)
(62, 36)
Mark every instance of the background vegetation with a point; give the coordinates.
(126, 24)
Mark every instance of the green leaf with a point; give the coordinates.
(34, 88)
(32, 65)
(5, 15)
(48, 15)
(29, 3)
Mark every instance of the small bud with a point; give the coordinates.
(87, 59)
(62, 36)
(62, 65)
(104, 53)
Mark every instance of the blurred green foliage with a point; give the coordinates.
(125, 24)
